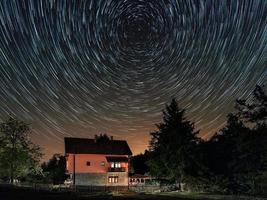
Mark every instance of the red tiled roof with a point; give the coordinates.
(90, 146)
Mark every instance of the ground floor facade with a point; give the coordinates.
(101, 179)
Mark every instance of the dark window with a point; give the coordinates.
(88, 163)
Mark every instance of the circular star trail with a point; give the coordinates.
(78, 68)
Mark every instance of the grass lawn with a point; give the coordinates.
(183, 196)
(17, 193)
(200, 196)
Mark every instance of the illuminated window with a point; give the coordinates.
(88, 163)
(113, 179)
(102, 163)
(117, 165)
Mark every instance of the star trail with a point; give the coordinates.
(79, 68)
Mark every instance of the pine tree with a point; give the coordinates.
(172, 154)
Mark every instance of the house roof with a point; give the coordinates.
(91, 146)
(116, 159)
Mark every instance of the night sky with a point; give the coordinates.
(80, 68)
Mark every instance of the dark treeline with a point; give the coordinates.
(234, 160)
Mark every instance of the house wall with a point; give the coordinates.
(95, 179)
(123, 178)
(95, 174)
(95, 163)
(101, 179)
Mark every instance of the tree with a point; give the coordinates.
(225, 144)
(55, 169)
(139, 163)
(18, 155)
(102, 138)
(238, 152)
(172, 146)
(256, 111)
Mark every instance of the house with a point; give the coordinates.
(97, 163)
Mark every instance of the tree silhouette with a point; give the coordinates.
(102, 138)
(233, 160)
(224, 147)
(172, 145)
(238, 152)
(54, 169)
(255, 111)
(139, 163)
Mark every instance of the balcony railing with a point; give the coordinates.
(121, 169)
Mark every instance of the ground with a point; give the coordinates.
(16, 193)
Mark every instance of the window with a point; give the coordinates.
(117, 165)
(102, 163)
(113, 179)
(88, 163)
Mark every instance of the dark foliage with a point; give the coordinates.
(234, 160)
(102, 138)
(173, 146)
(54, 169)
(256, 111)
(238, 153)
(138, 163)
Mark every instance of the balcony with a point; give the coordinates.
(112, 169)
